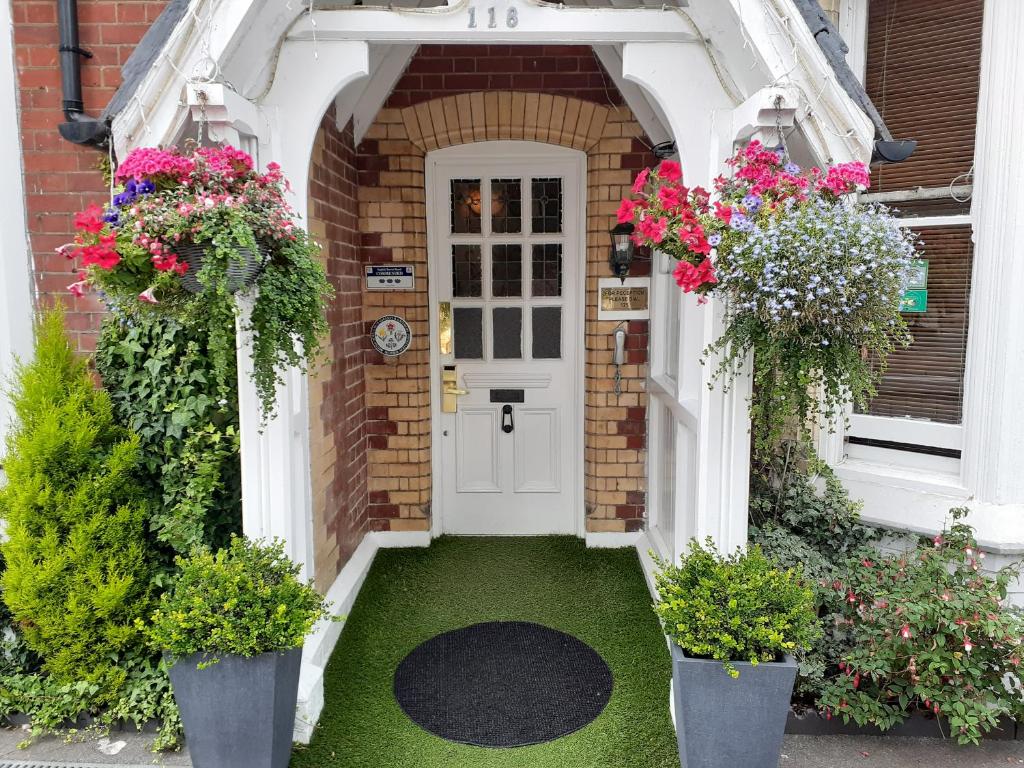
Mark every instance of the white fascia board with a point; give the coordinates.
(516, 21)
(776, 49)
(648, 114)
(158, 110)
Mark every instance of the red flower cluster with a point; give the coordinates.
(100, 251)
(668, 216)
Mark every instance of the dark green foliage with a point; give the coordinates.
(410, 595)
(796, 524)
(246, 599)
(930, 631)
(164, 387)
(739, 607)
(78, 567)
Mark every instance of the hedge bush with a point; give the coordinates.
(78, 570)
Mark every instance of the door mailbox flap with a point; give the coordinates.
(508, 395)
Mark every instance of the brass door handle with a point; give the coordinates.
(455, 391)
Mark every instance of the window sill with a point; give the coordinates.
(918, 501)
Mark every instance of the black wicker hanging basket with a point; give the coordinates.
(242, 270)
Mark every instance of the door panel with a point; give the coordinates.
(507, 259)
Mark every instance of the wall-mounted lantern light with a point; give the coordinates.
(622, 250)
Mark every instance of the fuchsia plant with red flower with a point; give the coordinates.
(930, 632)
(214, 201)
(811, 279)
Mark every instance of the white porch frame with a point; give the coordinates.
(706, 74)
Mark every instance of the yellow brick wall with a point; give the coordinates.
(392, 218)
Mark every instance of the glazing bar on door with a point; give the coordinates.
(444, 327)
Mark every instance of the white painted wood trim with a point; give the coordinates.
(920, 222)
(534, 22)
(383, 78)
(649, 115)
(16, 291)
(911, 431)
(319, 645)
(612, 540)
(853, 28)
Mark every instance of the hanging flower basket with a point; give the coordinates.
(241, 271)
(810, 277)
(186, 231)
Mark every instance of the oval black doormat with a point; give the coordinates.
(503, 684)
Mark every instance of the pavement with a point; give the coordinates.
(797, 752)
(124, 748)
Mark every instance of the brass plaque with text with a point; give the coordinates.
(624, 298)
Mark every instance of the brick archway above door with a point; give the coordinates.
(505, 115)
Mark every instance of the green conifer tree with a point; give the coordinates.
(78, 566)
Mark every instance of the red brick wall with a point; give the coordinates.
(61, 178)
(338, 429)
(561, 70)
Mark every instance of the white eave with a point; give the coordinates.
(768, 46)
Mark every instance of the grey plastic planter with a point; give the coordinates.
(240, 712)
(722, 722)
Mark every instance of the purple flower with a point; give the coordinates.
(714, 240)
(791, 168)
(752, 203)
(112, 216)
(145, 187)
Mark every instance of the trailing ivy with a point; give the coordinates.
(165, 386)
(798, 524)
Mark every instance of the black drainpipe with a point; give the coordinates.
(80, 128)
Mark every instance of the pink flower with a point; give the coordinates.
(626, 210)
(78, 288)
(653, 229)
(905, 632)
(690, 277)
(671, 171)
(148, 297)
(968, 645)
(670, 197)
(723, 212)
(641, 181)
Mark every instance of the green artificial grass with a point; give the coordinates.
(410, 595)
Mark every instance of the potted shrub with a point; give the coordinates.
(232, 627)
(185, 233)
(734, 623)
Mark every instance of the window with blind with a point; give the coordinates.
(923, 69)
(926, 380)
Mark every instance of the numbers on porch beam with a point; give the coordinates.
(511, 18)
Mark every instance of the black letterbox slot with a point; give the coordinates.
(508, 395)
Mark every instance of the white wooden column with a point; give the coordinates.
(15, 261)
(994, 388)
(276, 482)
(712, 491)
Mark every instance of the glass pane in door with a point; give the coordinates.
(547, 205)
(506, 270)
(465, 206)
(506, 206)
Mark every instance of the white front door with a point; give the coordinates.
(506, 270)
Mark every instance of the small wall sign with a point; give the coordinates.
(390, 277)
(391, 335)
(915, 298)
(623, 301)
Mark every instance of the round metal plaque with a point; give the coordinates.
(391, 335)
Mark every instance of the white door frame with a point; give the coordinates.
(525, 152)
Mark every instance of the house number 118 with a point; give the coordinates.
(511, 18)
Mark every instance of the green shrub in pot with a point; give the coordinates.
(734, 622)
(233, 626)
